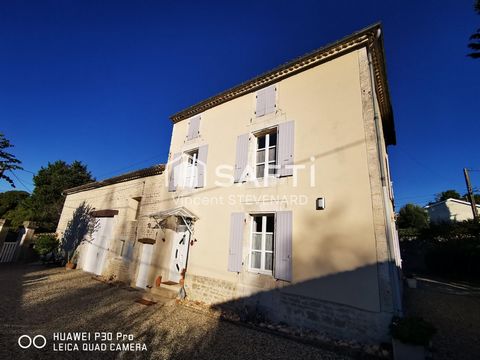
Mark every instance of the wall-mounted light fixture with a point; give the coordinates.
(320, 203)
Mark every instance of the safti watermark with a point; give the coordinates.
(84, 341)
(189, 171)
(232, 199)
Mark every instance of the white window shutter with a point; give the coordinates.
(176, 160)
(241, 158)
(286, 137)
(283, 246)
(270, 99)
(260, 103)
(237, 221)
(266, 101)
(194, 127)
(202, 165)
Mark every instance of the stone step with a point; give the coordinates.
(164, 292)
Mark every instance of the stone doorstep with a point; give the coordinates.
(162, 293)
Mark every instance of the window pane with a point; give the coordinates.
(270, 223)
(272, 169)
(268, 261)
(269, 242)
(260, 156)
(261, 142)
(273, 139)
(257, 242)
(260, 171)
(256, 259)
(272, 154)
(257, 223)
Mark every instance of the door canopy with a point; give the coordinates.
(182, 212)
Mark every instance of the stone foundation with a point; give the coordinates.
(279, 306)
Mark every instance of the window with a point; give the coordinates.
(121, 248)
(266, 101)
(266, 154)
(191, 169)
(261, 249)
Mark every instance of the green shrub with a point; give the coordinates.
(412, 330)
(46, 243)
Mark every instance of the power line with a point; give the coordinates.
(129, 166)
(20, 181)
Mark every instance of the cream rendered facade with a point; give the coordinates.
(343, 272)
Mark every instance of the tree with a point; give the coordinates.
(475, 196)
(475, 38)
(10, 200)
(7, 160)
(412, 216)
(448, 194)
(46, 202)
(12, 207)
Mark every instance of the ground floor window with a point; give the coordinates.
(262, 242)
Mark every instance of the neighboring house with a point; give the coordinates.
(450, 210)
(276, 199)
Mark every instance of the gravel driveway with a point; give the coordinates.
(454, 309)
(37, 300)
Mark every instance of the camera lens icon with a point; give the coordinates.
(25, 341)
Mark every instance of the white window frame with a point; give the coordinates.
(267, 162)
(263, 251)
(191, 169)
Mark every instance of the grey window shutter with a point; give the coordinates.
(283, 245)
(202, 165)
(171, 177)
(237, 221)
(286, 136)
(241, 157)
(260, 103)
(266, 101)
(270, 99)
(194, 127)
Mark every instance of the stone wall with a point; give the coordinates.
(278, 306)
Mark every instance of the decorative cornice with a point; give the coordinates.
(137, 174)
(368, 37)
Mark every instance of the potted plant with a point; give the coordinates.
(46, 245)
(411, 281)
(411, 336)
(72, 261)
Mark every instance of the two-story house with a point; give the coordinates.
(276, 199)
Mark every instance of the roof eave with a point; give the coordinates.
(133, 175)
(369, 37)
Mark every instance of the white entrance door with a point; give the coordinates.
(144, 266)
(178, 260)
(97, 248)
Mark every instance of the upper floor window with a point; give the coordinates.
(266, 154)
(191, 169)
(266, 101)
(194, 127)
(261, 249)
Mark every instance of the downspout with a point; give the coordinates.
(393, 276)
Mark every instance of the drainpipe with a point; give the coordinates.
(389, 231)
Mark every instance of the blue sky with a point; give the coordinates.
(96, 80)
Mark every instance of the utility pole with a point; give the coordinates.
(470, 194)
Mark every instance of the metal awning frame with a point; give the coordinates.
(186, 215)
